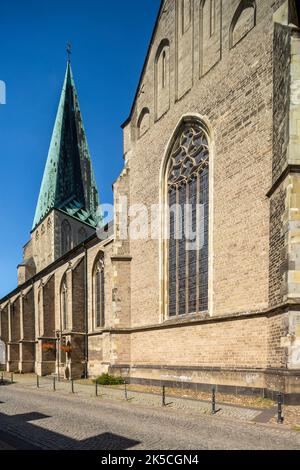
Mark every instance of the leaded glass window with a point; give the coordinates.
(99, 298)
(40, 311)
(188, 201)
(64, 304)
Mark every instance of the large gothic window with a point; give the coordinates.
(66, 237)
(64, 303)
(188, 201)
(99, 299)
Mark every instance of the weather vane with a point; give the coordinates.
(69, 51)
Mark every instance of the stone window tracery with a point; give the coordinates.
(188, 192)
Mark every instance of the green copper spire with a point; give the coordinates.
(68, 182)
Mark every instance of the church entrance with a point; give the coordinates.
(2, 354)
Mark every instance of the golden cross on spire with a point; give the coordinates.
(69, 51)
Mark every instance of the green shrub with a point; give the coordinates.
(106, 379)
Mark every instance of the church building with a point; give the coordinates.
(215, 125)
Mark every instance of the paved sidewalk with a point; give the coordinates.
(60, 420)
(146, 399)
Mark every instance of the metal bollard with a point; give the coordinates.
(72, 386)
(96, 389)
(37, 382)
(280, 417)
(12, 377)
(125, 390)
(213, 401)
(2, 378)
(54, 384)
(163, 395)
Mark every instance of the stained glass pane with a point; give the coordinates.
(172, 257)
(181, 268)
(192, 268)
(189, 179)
(203, 277)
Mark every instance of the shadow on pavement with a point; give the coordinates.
(10, 427)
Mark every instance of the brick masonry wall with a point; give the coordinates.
(241, 343)
(236, 99)
(277, 246)
(281, 77)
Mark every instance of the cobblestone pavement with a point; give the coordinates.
(61, 420)
(148, 399)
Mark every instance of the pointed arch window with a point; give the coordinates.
(66, 237)
(187, 178)
(82, 235)
(99, 296)
(162, 78)
(40, 311)
(64, 304)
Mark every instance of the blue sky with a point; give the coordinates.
(109, 40)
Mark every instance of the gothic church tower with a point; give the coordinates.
(66, 212)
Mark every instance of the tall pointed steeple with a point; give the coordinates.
(68, 183)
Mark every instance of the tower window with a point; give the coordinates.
(66, 237)
(82, 235)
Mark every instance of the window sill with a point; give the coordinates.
(188, 318)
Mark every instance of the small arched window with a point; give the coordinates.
(143, 123)
(82, 235)
(66, 237)
(99, 297)
(162, 78)
(187, 180)
(64, 304)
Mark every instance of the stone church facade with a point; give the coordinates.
(215, 121)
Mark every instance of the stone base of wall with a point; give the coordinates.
(264, 383)
(26, 367)
(45, 368)
(95, 368)
(12, 366)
